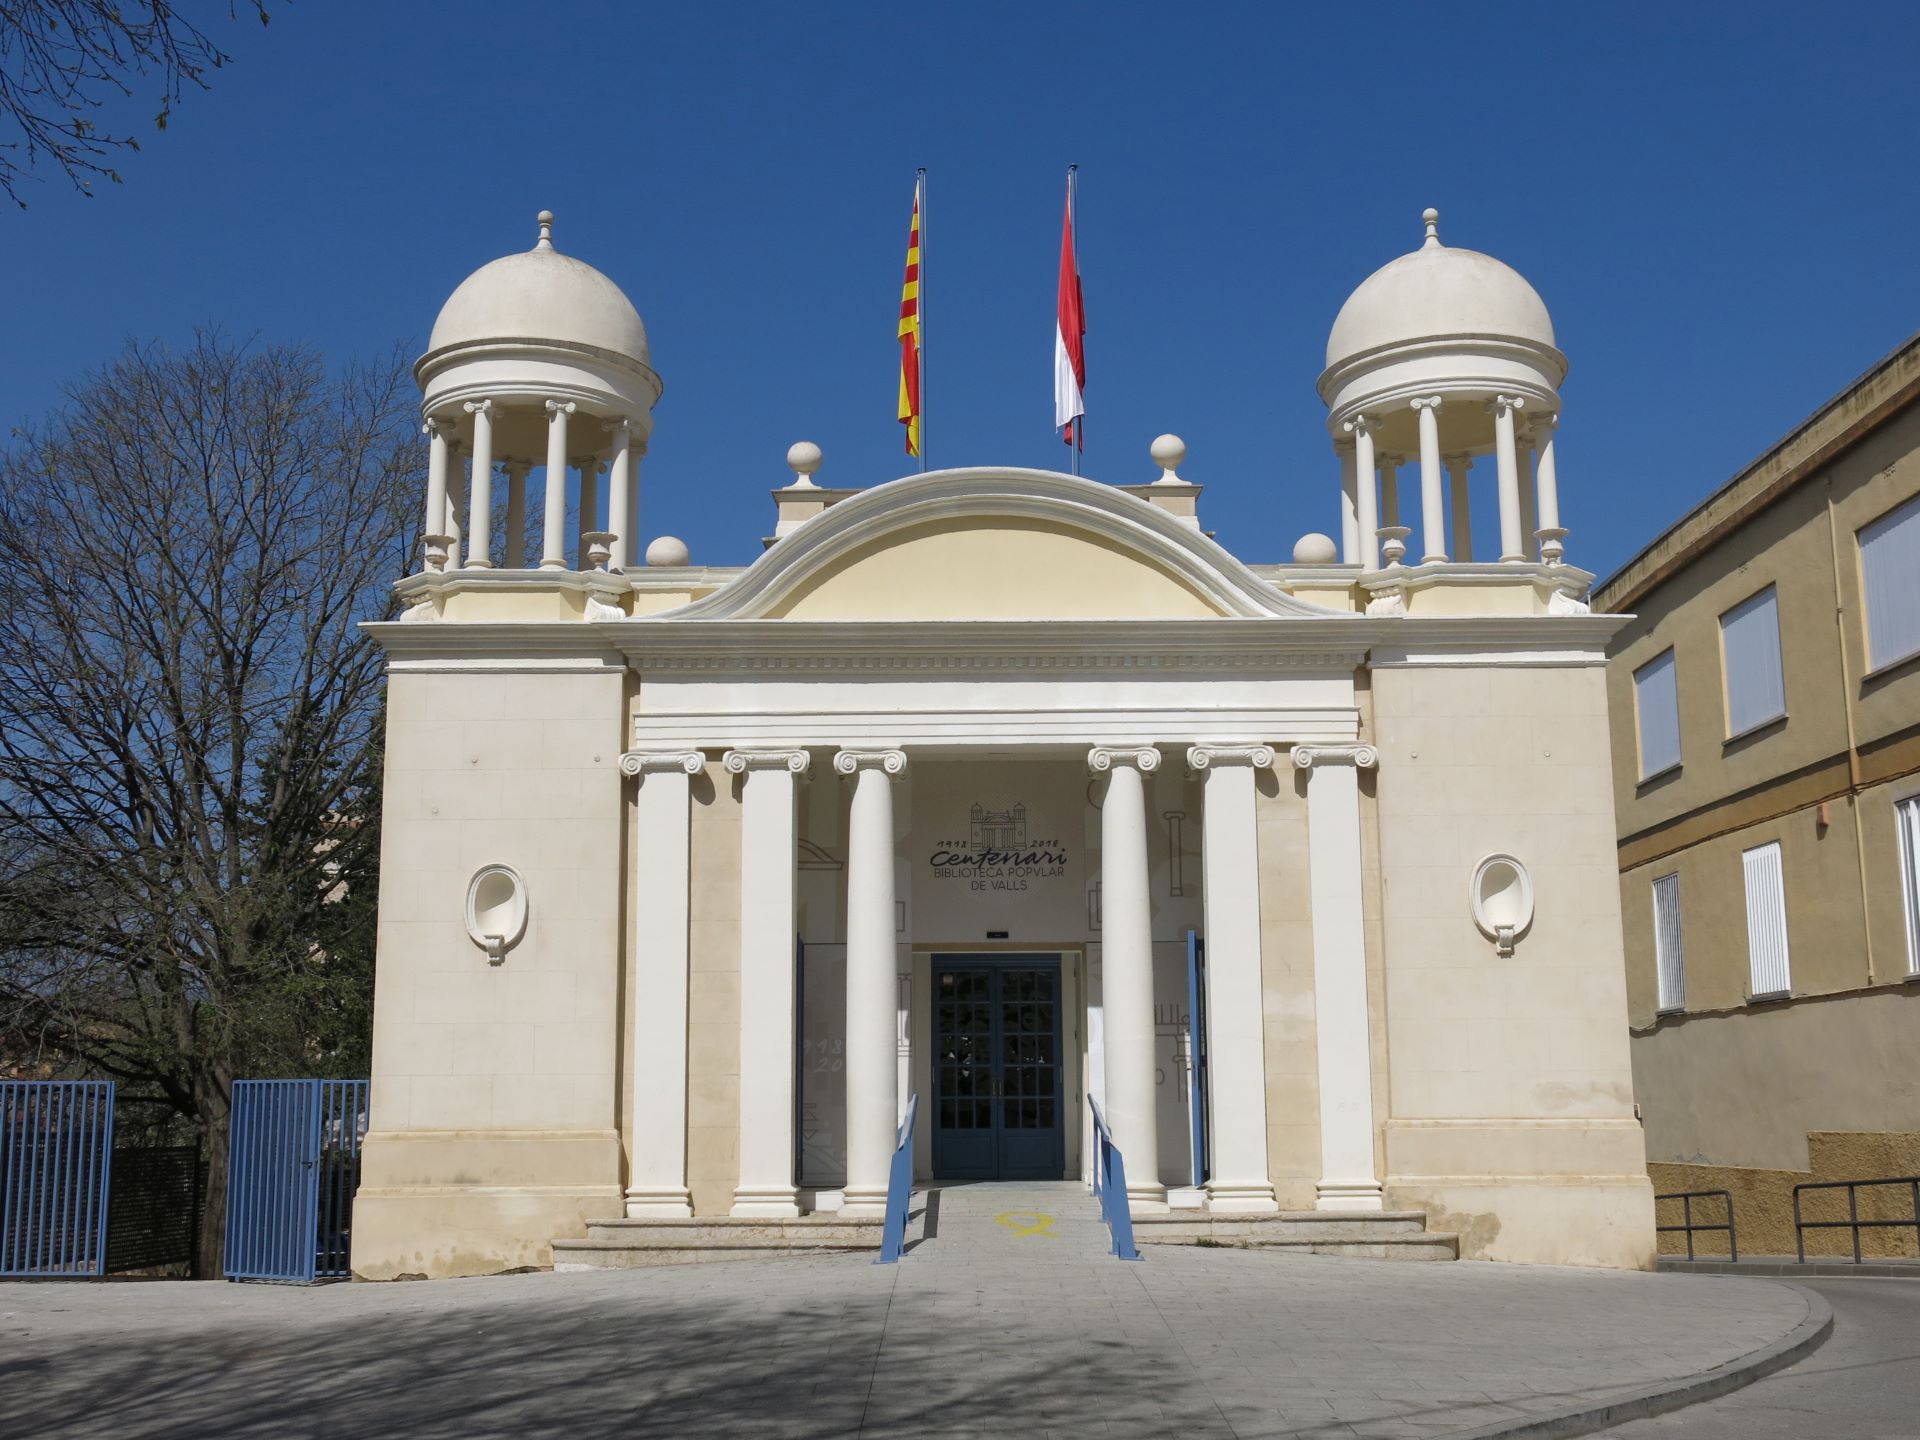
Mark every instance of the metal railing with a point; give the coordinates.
(1853, 1222)
(56, 1167)
(893, 1238)
(1110, 1186)
(1687, 1225)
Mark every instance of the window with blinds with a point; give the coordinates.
(1890, 574)
(1906, 816)
(1669, 954)
(1656, 704)
(1750, 662)
(1766, 923)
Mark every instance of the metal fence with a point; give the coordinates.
(1110, 1186)
(1853, 1222)
(56, 1163)
(153, 1214)
(1687, 1225)
(293, 1165)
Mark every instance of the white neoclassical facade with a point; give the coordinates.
(1001, 788)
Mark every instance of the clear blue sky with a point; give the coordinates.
(1719, 203)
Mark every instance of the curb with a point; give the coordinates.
(1585, 1418)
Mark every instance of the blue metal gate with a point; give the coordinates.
(56, 1161)
(293, 1165)
(1197, 1052)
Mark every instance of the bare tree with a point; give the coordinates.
(62, 61)
(190, 719)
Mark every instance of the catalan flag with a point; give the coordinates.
(910, 329)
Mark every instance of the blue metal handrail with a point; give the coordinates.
(893, 1239)
(1110, 1186)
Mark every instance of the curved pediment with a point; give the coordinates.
(994, 544)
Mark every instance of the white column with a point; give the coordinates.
(769, 841)
(553, 529)
(1529, 520)
(1462, 507)
(1512, 547)
(1236, 1010)
(480, 530)
(1547, 481)
(1348, 1180)
(588, 520)
(517, 513)
(432, 549)
(456, 501)
(619, 494)
(657, 978)
(1126, 967)
(1366, 512)
(1349, 503)
(1433, 533)
(873, 992)
(636, 556)
(1390, 489)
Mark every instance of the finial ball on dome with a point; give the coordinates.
(1431, 218)
(803, 457)
(667, 551)
(1169, 452)
(1313, 548)
(545, 221)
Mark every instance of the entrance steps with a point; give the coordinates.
(968, 1217)
(1380, 1235)
(629, 1244)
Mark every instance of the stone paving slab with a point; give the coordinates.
(1007, 1319)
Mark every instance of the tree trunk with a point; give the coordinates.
(209, 1246)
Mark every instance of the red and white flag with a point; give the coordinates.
(1070, 341)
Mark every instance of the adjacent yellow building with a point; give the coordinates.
(1765, 698)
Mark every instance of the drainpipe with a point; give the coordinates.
(1853, 749)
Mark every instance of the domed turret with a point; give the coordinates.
(535, 356)
(1442, 355)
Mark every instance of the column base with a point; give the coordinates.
(666, 1203)
(1348, 1195)
(864, 1202)
(1147, 1200)
(780, 1202)
(1229, 1199)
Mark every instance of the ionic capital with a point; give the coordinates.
(1358, 425)
(662, 762)
(847, 762)
(436, 428)
(1361, 757)
(1506, 403)
(1103, 758)
(480, 407)
(740, 762)
(1206, 757)
(557, 408)
(1544, 423)
(1427, 402)
(1457, 459)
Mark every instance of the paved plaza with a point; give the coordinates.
(1006, 1319)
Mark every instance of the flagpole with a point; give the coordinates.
(920, 309)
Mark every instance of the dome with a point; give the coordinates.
(1438, 291)
(541, 294)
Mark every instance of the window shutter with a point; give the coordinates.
(1750, 650)
(1890, 572)
(1669, 955)
(1657, 703)
(1906, 818)
(1766, 922)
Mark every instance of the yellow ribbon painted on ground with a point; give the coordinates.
(1025, 1222)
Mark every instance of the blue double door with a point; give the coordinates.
(998, 1076)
